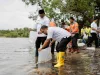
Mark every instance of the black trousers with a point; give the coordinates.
(62, 45)
(89, 39)
(53, 48)
(93, 38)
(74, 41)
(41, 40)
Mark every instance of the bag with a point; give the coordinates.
(45, 55)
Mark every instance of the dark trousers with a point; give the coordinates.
(74, 41)
(53, 48)
(61, 46)
(89, 39)
(41, 40)
(93, 38)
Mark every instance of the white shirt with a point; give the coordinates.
(40, 22)
(57, 33)
(93, 25)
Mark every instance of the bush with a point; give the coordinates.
(15, 33)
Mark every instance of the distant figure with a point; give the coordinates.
(52, 24)
(94, 32)
(89, 35)
(84, 34)
(63, 24)
(74, 30)
(60, 35)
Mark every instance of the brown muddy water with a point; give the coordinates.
(17, 58)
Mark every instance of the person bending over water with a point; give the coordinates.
(60, 35)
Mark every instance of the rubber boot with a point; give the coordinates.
(61, 60)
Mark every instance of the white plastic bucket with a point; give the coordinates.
(45, 55)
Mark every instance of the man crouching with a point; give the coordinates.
(60, 35)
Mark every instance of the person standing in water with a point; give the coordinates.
(41, 20)
(60, 35)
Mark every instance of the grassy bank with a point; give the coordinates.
(22, 32)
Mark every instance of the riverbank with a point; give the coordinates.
(85, 63)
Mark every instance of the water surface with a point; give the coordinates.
(17, 58)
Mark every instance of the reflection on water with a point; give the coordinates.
(17, 58)
(14, 56)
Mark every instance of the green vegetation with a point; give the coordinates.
(63, 9)
(83, 10)
(15, 33)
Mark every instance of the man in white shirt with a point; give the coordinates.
(94, 32)
(60, 35)
(42, 20)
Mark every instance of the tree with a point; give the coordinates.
(63, 9)
(23, 32)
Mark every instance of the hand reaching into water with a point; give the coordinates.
(40, 49)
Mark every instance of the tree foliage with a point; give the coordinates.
(63, 9)
(15, 33)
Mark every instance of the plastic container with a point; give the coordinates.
(45, 55)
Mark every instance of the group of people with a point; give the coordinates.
(48, 33)
(90, 34)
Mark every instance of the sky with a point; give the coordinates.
(14, 14)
